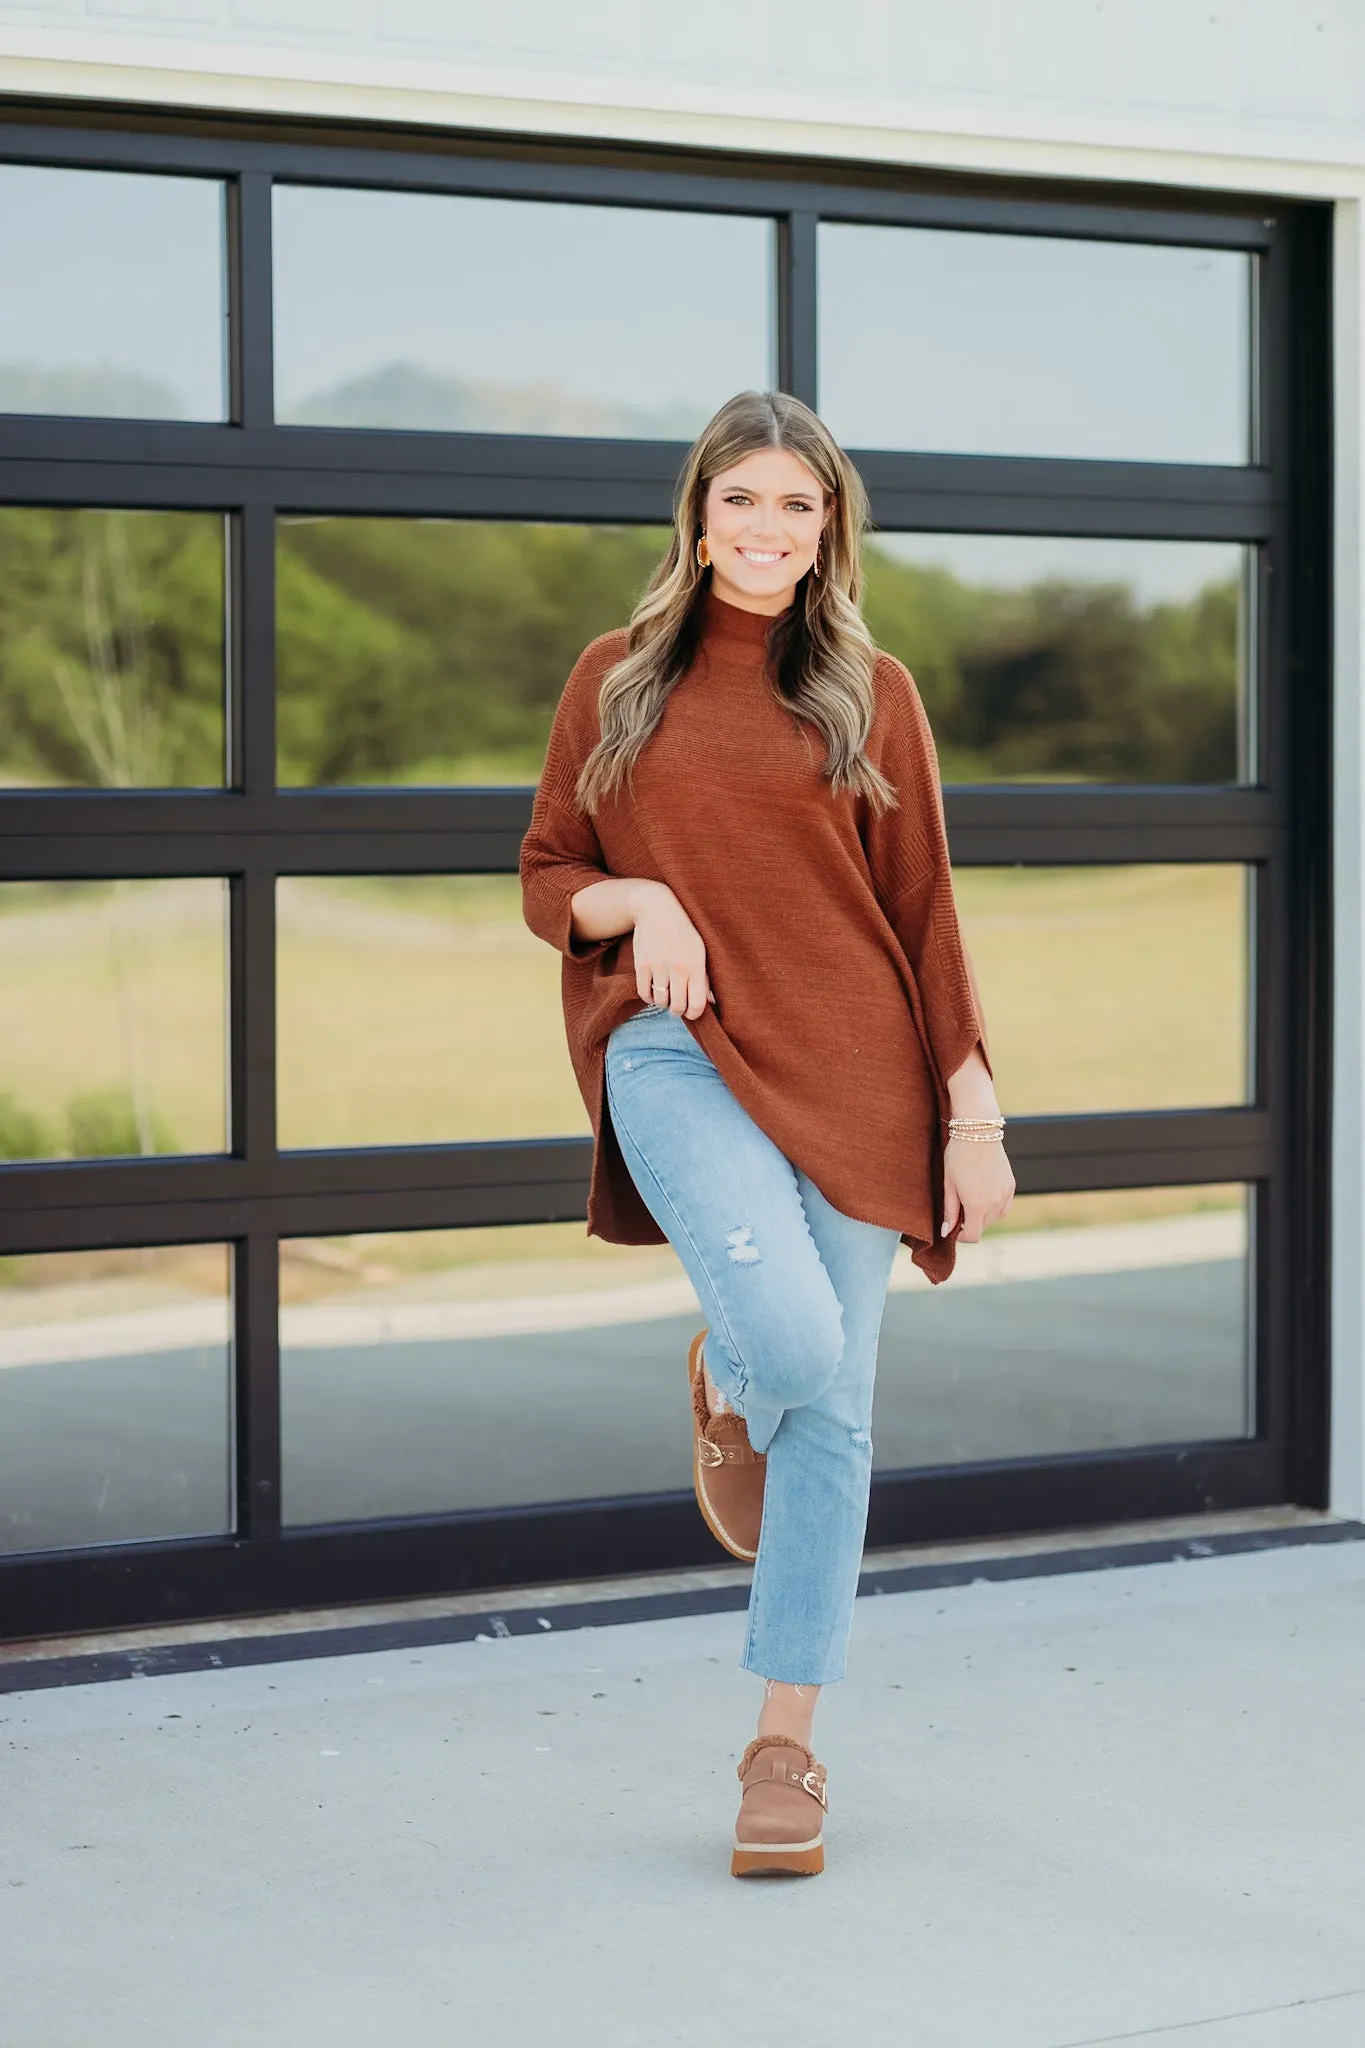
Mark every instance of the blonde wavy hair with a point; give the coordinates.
(821, 652)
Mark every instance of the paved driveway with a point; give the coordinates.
(1120, 1806)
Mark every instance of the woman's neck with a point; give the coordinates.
(722, 622)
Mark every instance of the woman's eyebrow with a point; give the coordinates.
(750, 492)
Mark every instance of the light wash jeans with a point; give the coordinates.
(793, 1292)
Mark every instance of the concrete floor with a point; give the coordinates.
(1120, 1806)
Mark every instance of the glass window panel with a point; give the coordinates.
(1084, 1322)
(112, 655)
(443, 1370)
(1112, 988)
(115, 1396)
(459, 1037)
(113, 1038)
(1058, 660)
(423, 310)
(115, 298)
(435, 650)
(417, 1010)
(995, 344)
(440, 1371)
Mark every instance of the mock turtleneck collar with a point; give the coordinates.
(722, 621)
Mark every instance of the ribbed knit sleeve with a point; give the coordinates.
(560, 853)
(907, 853)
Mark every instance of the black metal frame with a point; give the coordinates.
(251, 469)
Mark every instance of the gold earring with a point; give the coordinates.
(703, 554)
(817, 558)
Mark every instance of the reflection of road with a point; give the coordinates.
(95, 1450)
(382, 1316)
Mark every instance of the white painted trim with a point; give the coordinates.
(944, 130)
(1347, 1479)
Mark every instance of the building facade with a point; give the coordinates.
(347, 359)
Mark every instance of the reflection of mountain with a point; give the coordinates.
(405, 396)
(97, 390)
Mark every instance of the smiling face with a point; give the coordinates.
(763, 519)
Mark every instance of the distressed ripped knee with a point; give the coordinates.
(739, 1244)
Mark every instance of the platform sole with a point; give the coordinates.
(778, 1859)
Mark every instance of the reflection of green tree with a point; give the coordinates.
(111, 676)
(106, 918)
(100, 1123)
(111, 647)
(1065, 679)
(408, 646)
(431, 650)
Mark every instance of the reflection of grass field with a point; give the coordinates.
(112, 990)
(512, 1263)
(58, 1287)
(422, 1010)
(416, 1013)
(1097, 1207)
(525, 1260)
(1110, 988)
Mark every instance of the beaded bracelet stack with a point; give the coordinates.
(978, 1130)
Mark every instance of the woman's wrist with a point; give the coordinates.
(610, 908)
(971, 1091)
(985, 1130)
(638, 893)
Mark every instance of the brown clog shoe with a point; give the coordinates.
(780, 1829)
(727, 1472)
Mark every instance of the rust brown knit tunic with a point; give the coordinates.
(844, 997)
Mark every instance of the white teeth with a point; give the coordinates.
(752, 555)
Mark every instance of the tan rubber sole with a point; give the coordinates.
(698, 1484)
(783, 1859)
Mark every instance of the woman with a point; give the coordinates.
(738, 847)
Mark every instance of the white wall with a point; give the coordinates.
(1272, 79)
(1249, 95)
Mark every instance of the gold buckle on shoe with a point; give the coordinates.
(709, 1453)
(811, 1782)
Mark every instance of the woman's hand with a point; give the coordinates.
(978, 1186)
(670, 954)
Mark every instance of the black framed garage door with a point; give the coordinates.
(321, 459)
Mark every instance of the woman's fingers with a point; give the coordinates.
(982, 1197)
(690, 985)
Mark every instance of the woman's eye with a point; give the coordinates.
(743, 498)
